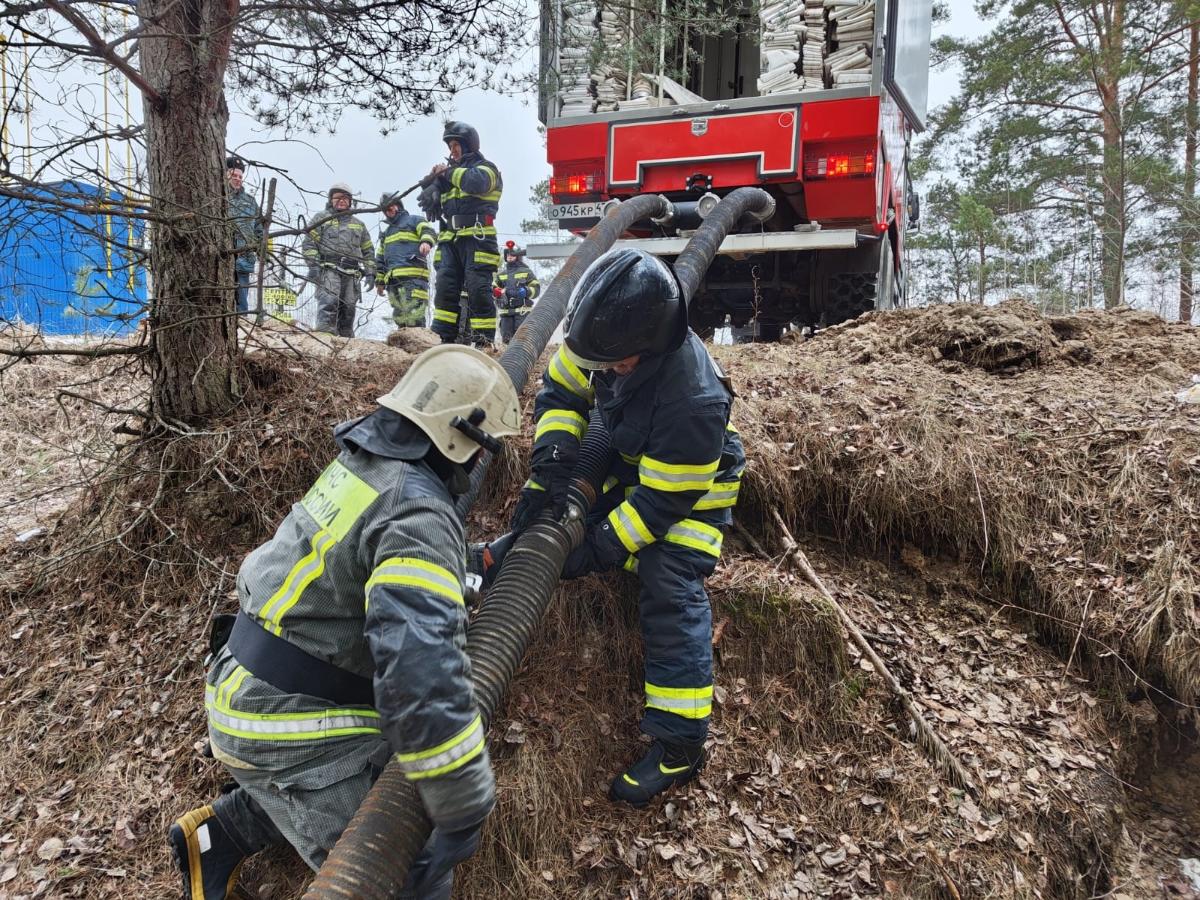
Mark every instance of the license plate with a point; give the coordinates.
(577, 211)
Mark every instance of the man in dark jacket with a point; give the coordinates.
(516, 289)
(401, 266)
(246, 219)
(467, 256)
(314, 691)
(672, 486)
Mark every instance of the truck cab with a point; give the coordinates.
(814, 101)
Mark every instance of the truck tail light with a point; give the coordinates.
(576, 184)
(838, 165)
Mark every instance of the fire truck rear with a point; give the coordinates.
(813, 100)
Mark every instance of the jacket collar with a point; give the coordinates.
(384, 433)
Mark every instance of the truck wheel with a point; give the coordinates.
(848, 283)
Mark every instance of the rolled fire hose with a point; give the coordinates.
(375, 852)
(372, 858)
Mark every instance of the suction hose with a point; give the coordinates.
(696, 257)
(372, 858)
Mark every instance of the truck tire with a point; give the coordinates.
(848, 283)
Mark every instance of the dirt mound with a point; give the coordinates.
(1012, 336)
(1073, 485)
(999, 524)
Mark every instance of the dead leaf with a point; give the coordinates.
(52, 848)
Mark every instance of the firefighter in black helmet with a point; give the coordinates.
(467, 255)
(628, 352)
(516, 289)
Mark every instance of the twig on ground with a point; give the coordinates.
(926, 736)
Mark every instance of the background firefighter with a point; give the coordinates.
(469, 190)
(516, 289)
(670, 491)
(402, 266)
(339, 252)
(310, 690)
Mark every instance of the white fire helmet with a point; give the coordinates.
(452, 381)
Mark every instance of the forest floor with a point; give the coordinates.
(1007, 505)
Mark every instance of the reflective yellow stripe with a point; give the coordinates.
(409, 272)
(691, 703)
(410, 236)
(609, 483)
(664, 476)
(632, 460)
(445, 315)
(533, 485)
(723, 494)
(445, 235)
(445, 757)
(418, 573)
(631, 564)
(487, 259)
(564, 372)
(303, 573)
(630, 529)
(419, 293)
(696, 535)
(560, 420)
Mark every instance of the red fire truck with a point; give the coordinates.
(833, 152)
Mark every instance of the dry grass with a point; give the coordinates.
(1061, 466)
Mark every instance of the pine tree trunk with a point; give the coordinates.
(184, 52)
(1187, 245)
(982, 270)
(1112, 225)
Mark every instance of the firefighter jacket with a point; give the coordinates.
(247, 227)
(340, 241)
(471, 187)
(365, 573)
(514, 277)
(680, 461)
(399, 253)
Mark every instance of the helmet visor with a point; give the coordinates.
(582, 361)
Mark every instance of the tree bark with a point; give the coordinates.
(184, 52)
(1113, 221)
(1187, 243)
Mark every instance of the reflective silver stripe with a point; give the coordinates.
(415, 573)
(445, 757)
(631, 530)
(696, 536)
(308, 726)
(676, 476)
(723, 493)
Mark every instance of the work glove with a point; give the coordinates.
(552, 466)
(457, 804)
(441, 854)
(600, 551)
(497, 292)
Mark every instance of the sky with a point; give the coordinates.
(509, 135)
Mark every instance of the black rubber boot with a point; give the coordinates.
(663, 766)
(205, 854)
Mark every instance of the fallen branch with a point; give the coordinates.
(926, 736)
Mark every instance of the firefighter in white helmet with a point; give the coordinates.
(339, 253)
(310, 691)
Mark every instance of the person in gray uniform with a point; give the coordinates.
(311, 691)
(339, 252)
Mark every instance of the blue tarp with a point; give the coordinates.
(63, 271)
